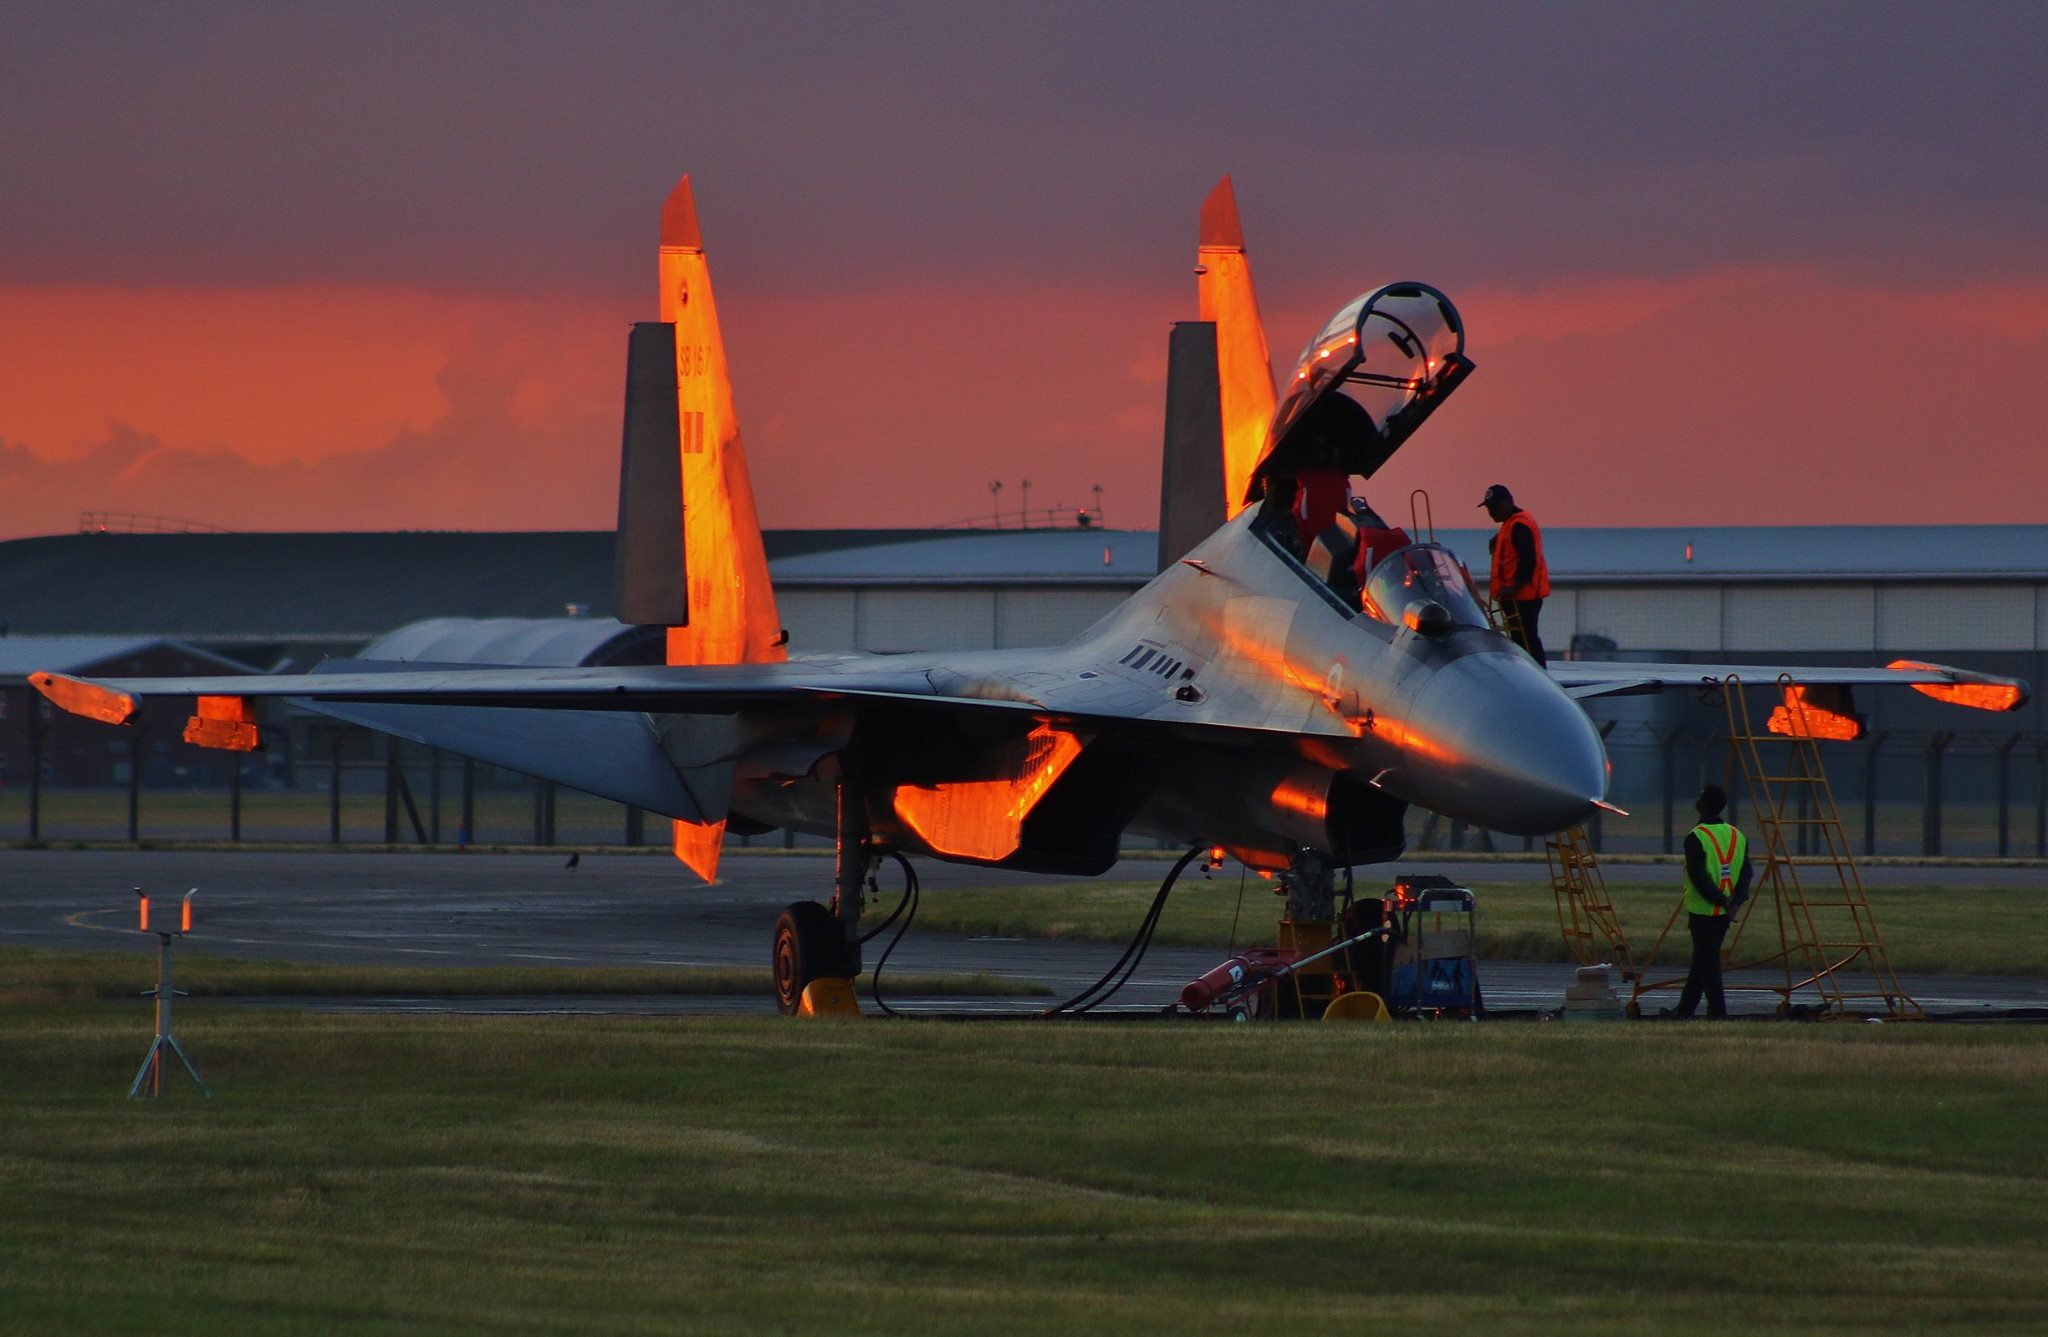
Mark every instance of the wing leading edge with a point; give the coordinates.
(1582, 679)
(650, 689)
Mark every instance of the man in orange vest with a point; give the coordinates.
(1521, 578)
(1717, 872)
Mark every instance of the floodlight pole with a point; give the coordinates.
(152, 1070)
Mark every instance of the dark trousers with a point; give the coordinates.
(1527, 611)
(1705, 974)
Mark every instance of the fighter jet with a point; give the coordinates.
(1257, 695)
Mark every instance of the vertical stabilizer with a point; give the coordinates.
(648, 561)
(732, 613)
(733, 619)
(1244, 369)
(1191, 487)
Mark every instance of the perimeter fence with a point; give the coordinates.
(1905, 793)
(1902, 793)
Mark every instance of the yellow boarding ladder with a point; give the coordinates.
(1585, 914)
(1828, 938)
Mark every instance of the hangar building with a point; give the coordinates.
(1717, 591)
(1973, 596)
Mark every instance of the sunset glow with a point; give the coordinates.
(265, 303)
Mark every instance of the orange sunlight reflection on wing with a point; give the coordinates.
(984, 819)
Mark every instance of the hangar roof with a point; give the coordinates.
(298, 586)
(355, 587)
(1783, 553)
(977, 556)
(555, 642)
(23, 655)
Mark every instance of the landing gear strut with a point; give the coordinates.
(813, 941)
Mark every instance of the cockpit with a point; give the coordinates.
(1424, 588)
(1369, 378)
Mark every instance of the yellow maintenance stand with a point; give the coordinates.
(1827, 938)
(1585, 912)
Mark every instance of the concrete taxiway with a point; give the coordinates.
(376, 908)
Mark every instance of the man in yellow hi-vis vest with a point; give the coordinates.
(1717, 871)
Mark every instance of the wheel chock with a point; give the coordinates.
(828, 997)
(1358, 1005)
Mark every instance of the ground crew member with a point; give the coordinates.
(1717, 871)
(1521, 578)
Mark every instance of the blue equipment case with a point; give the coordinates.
(1433, 970)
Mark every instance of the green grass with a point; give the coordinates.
(1956, 930)
(610, 1175)
(32, 975)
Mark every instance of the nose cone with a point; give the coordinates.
(1495, 742)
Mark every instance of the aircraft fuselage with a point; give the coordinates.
(1304, 723)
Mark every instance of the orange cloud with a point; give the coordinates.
(305, 407)
(1744, 395)
(1747, 396)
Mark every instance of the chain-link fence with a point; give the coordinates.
(1978, 794)
(1898, 792)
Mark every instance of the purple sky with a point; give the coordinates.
(1007, 195)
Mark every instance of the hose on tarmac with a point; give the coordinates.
(1134, 954)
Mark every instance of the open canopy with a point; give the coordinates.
(1366, 381)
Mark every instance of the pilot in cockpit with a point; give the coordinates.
(1354, 541)
(1333, 556)
(1376, 538)
(1321, 488)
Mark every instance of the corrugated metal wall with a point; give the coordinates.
(1788, 619)
(885, 618)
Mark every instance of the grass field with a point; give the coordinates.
(1949, 930)
(533, 1175)
(30, 975)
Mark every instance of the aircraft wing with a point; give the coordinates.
(589, 728)
(1985, 691)
(647, 689)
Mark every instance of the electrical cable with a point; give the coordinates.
(1145, 943)
(1243, 871)
(883, 927)
(1134, 953)
(909, 902)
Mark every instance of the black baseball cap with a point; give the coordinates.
(1498, 492)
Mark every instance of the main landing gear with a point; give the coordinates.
(809, 946)
(818, 942)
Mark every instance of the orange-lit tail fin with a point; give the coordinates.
(1244, 369)
(733, 619)
(732, 613)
